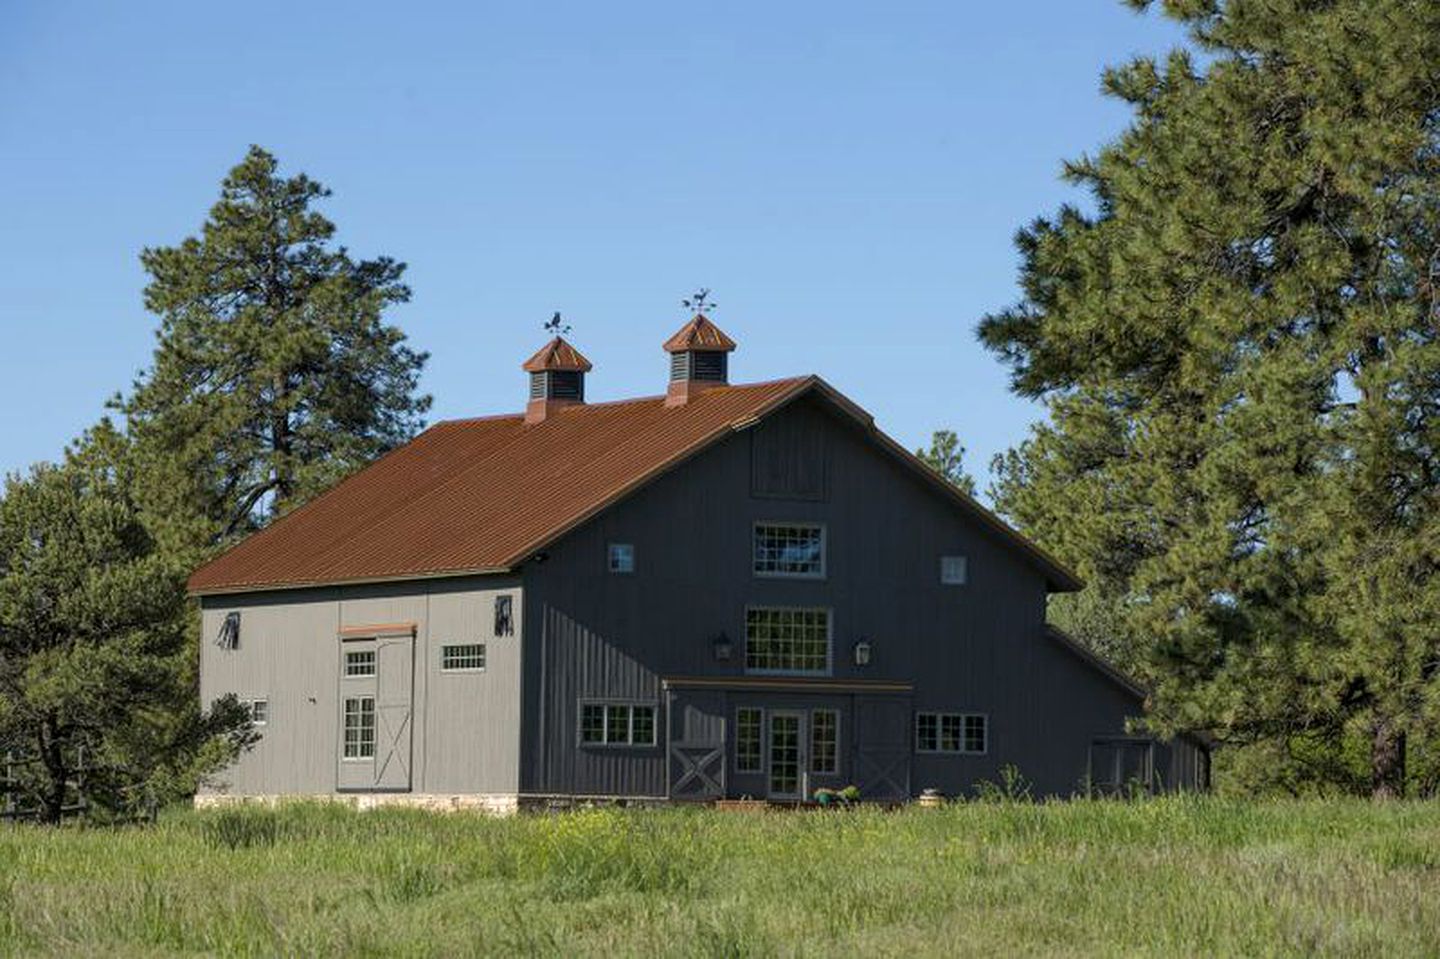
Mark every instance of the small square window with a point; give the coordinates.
(622, 557)
(954, 570)
(259, 712)
(359, 663)
(466, 656)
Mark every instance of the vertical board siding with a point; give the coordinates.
(976, 648)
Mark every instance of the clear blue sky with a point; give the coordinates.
(847, 177)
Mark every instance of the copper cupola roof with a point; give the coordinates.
(557, 356)
(699, 335)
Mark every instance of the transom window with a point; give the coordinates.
(825, 741)
(621, 557)
(360, 663)
(951, 733)
(787, 640)
(789, 549)
(360, 727)
(617, 724)
(748, 720)
(462, 656)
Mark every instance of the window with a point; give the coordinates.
(951, 733)
(259, 710)
(789, 549)
(505, 615)
(787, 640)
(360, 728)
(229, 635)
(747, 739)
(360, 664)
(617, 724)
(825, 741)
(953, 570)
(622, 558)
(463, 656)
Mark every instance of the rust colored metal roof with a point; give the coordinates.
(557, 355)
(699, 334)
(484, 495)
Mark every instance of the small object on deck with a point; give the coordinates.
(931, 798)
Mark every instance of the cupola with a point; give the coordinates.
(557, 379)
(699, 359)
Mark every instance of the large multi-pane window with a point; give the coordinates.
(789, 549)
(825, 741)
(747, 739)
(950, 732)
(617, 724)
(787, 640)
(360, 727)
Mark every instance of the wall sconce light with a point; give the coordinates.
(723, 647)
(862, 652)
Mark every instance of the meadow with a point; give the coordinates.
(1155, 877)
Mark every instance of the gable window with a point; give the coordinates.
(360, 663)
(790, 549)
(747, 739)
(617, 724)
(825, 741)
(360, 727)
(784, 640)
(505, 615)
(951, 733)
(622, 558)
(462, 657)
(954, 570)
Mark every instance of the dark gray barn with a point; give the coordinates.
(724, 591)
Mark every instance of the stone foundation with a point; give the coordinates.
(497, 804)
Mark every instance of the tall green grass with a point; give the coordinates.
(1160, 877)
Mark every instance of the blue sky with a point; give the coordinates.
(847, 177)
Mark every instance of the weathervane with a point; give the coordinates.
(699, 301)
(557, 326)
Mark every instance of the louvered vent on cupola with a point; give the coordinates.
(557, 379)
(699, 359)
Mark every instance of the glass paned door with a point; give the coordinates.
(786, 736)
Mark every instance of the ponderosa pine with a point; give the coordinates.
(1240, 352)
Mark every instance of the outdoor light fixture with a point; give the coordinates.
(862, 652)
(723, 647)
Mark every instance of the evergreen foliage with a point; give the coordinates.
(275, 373)
(1240, 352)
(947, 457)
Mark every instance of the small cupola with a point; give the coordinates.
(557, 379)
(699, 359)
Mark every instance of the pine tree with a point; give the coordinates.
(94, 656)
(275, 373)
(1240, 351)
(947, 457)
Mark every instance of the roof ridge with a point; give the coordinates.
(648, 398)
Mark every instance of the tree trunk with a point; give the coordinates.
(52, 796)
(1387, 760)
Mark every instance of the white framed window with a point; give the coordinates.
(957, 733)
(621, 558)
(748, 722)
(359, 663)
(359, 728)
(824, 741)
(259, 710)
(462, 657)
(617, 724)
(787, 640)
(795, 550)
(954, 570)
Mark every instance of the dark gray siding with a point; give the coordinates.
(976, 648)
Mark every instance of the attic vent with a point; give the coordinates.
(679, 366)
(566, 385)
(229, 636)
(707, 365)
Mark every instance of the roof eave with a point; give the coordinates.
(235, 589)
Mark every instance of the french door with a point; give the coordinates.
(786, 754)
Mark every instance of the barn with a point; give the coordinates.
(720, 591)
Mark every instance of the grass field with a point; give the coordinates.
(1160, 877)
